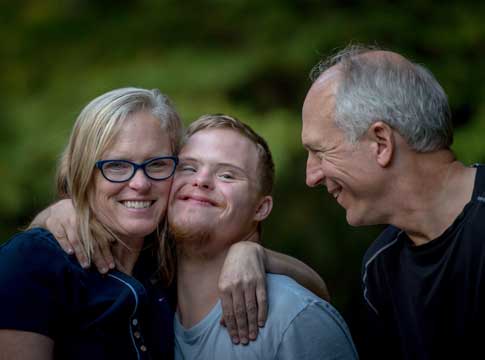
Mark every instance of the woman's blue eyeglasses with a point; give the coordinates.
(118, 171)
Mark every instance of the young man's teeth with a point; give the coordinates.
(137, 204)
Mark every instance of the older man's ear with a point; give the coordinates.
(383, 141)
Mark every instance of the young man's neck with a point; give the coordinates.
(197, 290)
(198, 272)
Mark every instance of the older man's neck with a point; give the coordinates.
(197, 290)
(435, 196)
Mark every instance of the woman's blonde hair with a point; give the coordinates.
(93, 133)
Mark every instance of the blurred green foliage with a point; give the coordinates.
(246, 58)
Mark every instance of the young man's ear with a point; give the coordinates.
(383, 142)
(264, 208)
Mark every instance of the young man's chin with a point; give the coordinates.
(189, 229)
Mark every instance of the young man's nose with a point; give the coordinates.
(203, 179)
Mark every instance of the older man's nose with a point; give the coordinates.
(314, 172)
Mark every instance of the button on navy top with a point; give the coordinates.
(88, 315)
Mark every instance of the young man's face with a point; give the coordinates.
(215, 192)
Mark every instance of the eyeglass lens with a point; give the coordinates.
(157, 169)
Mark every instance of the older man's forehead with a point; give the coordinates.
(320, 100)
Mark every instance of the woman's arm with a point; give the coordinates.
(279, 263)
(242, 286)
(24, 345)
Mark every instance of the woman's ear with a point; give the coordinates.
(264, 208)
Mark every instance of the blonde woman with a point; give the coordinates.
(117, 171)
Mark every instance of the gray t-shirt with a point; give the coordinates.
(300, 326)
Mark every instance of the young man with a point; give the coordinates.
(220, 196)
(378, 132)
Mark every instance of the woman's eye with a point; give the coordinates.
(157, 164)
(116, 166)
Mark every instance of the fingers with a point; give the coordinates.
(241, 314)
(79, 251)
(99, 259)
(262, 302)
(107, 254)
(60, 234)
(103, 257)
(69, 241)
(239, 304)
(243, 289)
(251, 312)
(228, 316)
(75, 242)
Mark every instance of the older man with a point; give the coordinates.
(378, 132)
(220, 196)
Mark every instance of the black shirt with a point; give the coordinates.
(428, 301)
(88, 315)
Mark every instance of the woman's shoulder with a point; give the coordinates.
(32, 239)
(36, 283)
(33, 248)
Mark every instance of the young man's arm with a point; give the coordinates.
(317, 332)
(60, 220)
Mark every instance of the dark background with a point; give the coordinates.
(249, 59)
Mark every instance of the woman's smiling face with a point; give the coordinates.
(133, 209)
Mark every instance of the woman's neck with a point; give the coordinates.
(126, 254)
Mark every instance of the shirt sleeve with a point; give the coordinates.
(317, 332)
(33, 283)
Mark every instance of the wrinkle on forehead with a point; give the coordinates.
(321, 93)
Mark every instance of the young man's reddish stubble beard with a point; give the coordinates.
(191, 241)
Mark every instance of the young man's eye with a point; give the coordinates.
(226, 176)
(187, 168)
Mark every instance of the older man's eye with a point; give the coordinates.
(321, 155)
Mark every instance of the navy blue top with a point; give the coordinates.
(88, 315)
